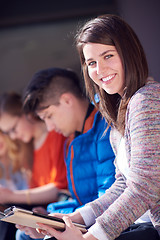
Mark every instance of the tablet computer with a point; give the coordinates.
(28, 218)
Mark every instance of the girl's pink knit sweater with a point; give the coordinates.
(128, 199)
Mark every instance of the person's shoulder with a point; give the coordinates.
(151, 87)
(53, 137)
(54, 134)
(148, 93)
(99, 120)
(145, 102)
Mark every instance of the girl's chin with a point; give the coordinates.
(109, 91)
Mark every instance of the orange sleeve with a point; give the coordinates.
(48, 163)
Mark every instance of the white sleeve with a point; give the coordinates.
(98, 232)
(87, 215)
(89, 219)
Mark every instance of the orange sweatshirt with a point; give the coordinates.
(48, 163)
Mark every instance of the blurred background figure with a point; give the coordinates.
(15, 173)
(48, 171)
(15, 163)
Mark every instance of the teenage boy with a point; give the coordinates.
(56, 96)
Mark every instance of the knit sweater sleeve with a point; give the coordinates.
(118, 209)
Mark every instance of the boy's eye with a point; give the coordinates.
(49, 116)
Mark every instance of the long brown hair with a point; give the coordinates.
(19, 154)
(11, 103)
(112, 30)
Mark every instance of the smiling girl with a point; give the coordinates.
(115, 68)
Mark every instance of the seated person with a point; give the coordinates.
(15, 168)
(48, 170)
(115, 67)
(57, 98)
(15, 163)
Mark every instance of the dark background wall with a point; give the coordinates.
(39, 34)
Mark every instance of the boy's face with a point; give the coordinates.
(59, 118)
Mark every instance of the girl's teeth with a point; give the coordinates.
(107, 78)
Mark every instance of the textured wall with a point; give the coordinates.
(27, 48)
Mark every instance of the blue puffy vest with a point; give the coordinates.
(89, 161)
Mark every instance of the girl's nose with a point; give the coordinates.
(101, 68)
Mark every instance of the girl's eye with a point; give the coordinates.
(108, 56)
(90, 64)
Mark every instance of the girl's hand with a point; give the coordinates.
(71, 232)
(75, 216)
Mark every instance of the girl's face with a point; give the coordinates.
(105, 67)
(3, 145)
(17, 127)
